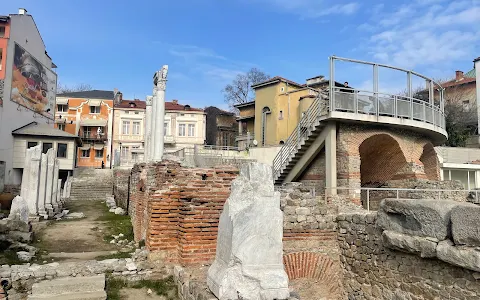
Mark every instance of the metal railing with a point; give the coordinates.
(310, 119)
(371, 197)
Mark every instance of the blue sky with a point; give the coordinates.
(206, 43)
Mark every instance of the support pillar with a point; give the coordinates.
(33, 179)
(148, 128)
(153, 123)
(331, 159)
(55, 186)
(26, 172)
(160, 81)
(42, 186)
(59, 192)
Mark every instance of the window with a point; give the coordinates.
(136, 128)
(124, 151)
(280, 115)
(62, 150)
(94, 109)
(99, 153)
(2, 31)
(165, 128)
(86, 153)
(191, 129)
(137, 112)
(62, 108)
(125, 127)
(46, 146)
(181, 129)
(31, 144)
(61, 127)
(282, 89)
(181, 115)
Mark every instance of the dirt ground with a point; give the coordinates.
(77, 239)
(311, 289)
(139, 294)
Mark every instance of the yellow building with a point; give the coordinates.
(278, 106)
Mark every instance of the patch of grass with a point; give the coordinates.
(165, 287)
(116, 224)
(113, 287)
(115, 255)
(8, 257)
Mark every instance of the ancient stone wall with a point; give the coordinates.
(314, 175)
(372, 271)
(121, 182)
(176, 210)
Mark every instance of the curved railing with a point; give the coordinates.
(361, 103)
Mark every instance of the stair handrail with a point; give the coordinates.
(306, 123)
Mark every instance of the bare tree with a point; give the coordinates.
(240, 90)
(61, 88)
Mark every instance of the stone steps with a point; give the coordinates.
(70, 288)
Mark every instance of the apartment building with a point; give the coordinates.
(185, 126)
(28, 85)
(88, 114)
(128, 132)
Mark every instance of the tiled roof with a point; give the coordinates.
(176, 106)
(471, 73)
(126, 104)
(454, 82)
(244, 104)
(275, 79)
(93, 94)
(43, 130)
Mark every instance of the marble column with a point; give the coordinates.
(153, 123)
(55, 186)
(160, 81)
(59, 192)
(42, 186)
(69, 186)
(148, 127)
(25, 174)
(33, 179)
(49, 182)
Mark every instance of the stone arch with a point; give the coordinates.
(381, 158)
(430, 162)
(316, 266)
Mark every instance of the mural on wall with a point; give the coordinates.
(33, 85)
(2, 84)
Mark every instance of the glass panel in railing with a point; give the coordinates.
(403, 108)
(386, 105)
(429, 114)
(418, 110)
(366, 103)
(344, 101)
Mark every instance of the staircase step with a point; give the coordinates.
(99, 295)
(65, 285)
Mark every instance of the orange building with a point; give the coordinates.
(88, 114)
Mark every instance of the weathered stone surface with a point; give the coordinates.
(466, 224)
(24, 237)
(24, 256)
(19, 210)
(427, 218)
(410, 244)
(466, 257)
(119, 211)
(248, 262)
(75, 215)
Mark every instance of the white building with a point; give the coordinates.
(185, 126)
(27, 86)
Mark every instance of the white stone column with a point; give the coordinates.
(49, 182)
(33, 179)
(331, 159)
(26, 172)
(153, 123)
(55, 186)
(42, 186)
(148, 127)
(160, 80)
(109, 137)
(59, 192)
(69, 186)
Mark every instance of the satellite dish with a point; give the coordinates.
(254, 142)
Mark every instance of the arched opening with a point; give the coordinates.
(430, 162)
(380, 159)
(265, 111)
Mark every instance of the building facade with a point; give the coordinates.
(185, 126)
(88, 114)
(221, 127)
(27, 85)
(128, 132)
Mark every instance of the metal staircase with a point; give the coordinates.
(302, 137)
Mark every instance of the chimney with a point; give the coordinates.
(22, 11)
(175, 101)
(458, 75)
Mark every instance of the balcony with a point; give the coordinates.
(130, 137)
(93, 136)
(169, 139)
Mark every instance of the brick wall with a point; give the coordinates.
(120, 187)
(372, 271)
(176, 210)
(314, 175)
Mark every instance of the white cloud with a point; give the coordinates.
(312, 8)
(418, 35)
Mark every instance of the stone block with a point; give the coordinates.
(466, 224)
(419, 217)
(303, 211)
(19, 210)
(249, 256)
(465, 257)
(410, 244)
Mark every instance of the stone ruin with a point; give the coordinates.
(248, 262)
